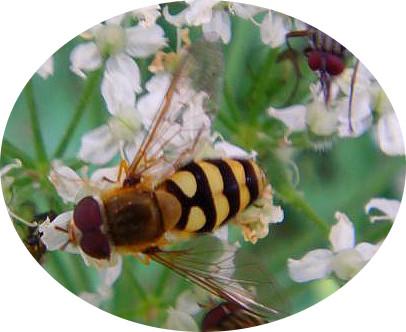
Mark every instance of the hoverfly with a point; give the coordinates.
(327, 58)
(166, 192)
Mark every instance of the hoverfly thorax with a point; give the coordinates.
(89, 227)
(133, 218)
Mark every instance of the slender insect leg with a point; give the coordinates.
(291, 54)
(350, 99)
(296, 34)
(123, 167)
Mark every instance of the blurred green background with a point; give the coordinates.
(342, 178)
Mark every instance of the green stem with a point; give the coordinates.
(290, 196)
(226, 122)
(230, 102)
(10, 150)
(162, 282)
(135, 283)
(91, 84)
(287, 192)
(32, 107)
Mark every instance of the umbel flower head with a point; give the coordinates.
(115, 45)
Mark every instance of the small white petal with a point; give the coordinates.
(222, 233)
(186, 302)
(230, 150)
(149, 104)
(53, 235)
(361, 115)
(16, 163)
(98, 146)
(126, 126)
(316, 264)
(178, 320)
(177, 20)
(200, 11)
(95, 299)
(342, 234)
(116, 19)
(321, 121)
(245, 11)
(273, 30)
(389, 135)
(47, 69)
(109, 275)
(389, 208)
(85, 57)
(126, 66)
(219, 27)
(147, 15)
(66, 182)
(145, 41)
(347, 263)
(363, 82)
(367, 250)
(101, 174)
(294, 117)
(277, 215)
(117, 92)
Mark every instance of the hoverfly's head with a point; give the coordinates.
(88, 223)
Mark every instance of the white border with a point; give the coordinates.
(32, 30)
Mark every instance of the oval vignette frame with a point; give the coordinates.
(347, 285)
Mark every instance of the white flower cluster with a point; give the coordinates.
(214, 18)
(334, 118)
(345, 258)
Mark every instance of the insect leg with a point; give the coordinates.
(291, 54)
(295, 34)
(123, 167)
(350, 99)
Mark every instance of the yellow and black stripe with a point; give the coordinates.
(212, 191)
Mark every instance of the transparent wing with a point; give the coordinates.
(224, 271)
(184, 117)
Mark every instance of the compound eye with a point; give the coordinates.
(334, 65)
(87, 216)
(314, 60)
(96, 245)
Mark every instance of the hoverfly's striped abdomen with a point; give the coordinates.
(212, 191)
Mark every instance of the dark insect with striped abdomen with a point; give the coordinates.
(326, 57)
(163, 196)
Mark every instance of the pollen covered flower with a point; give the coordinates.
(254, 221)
(345, 258)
